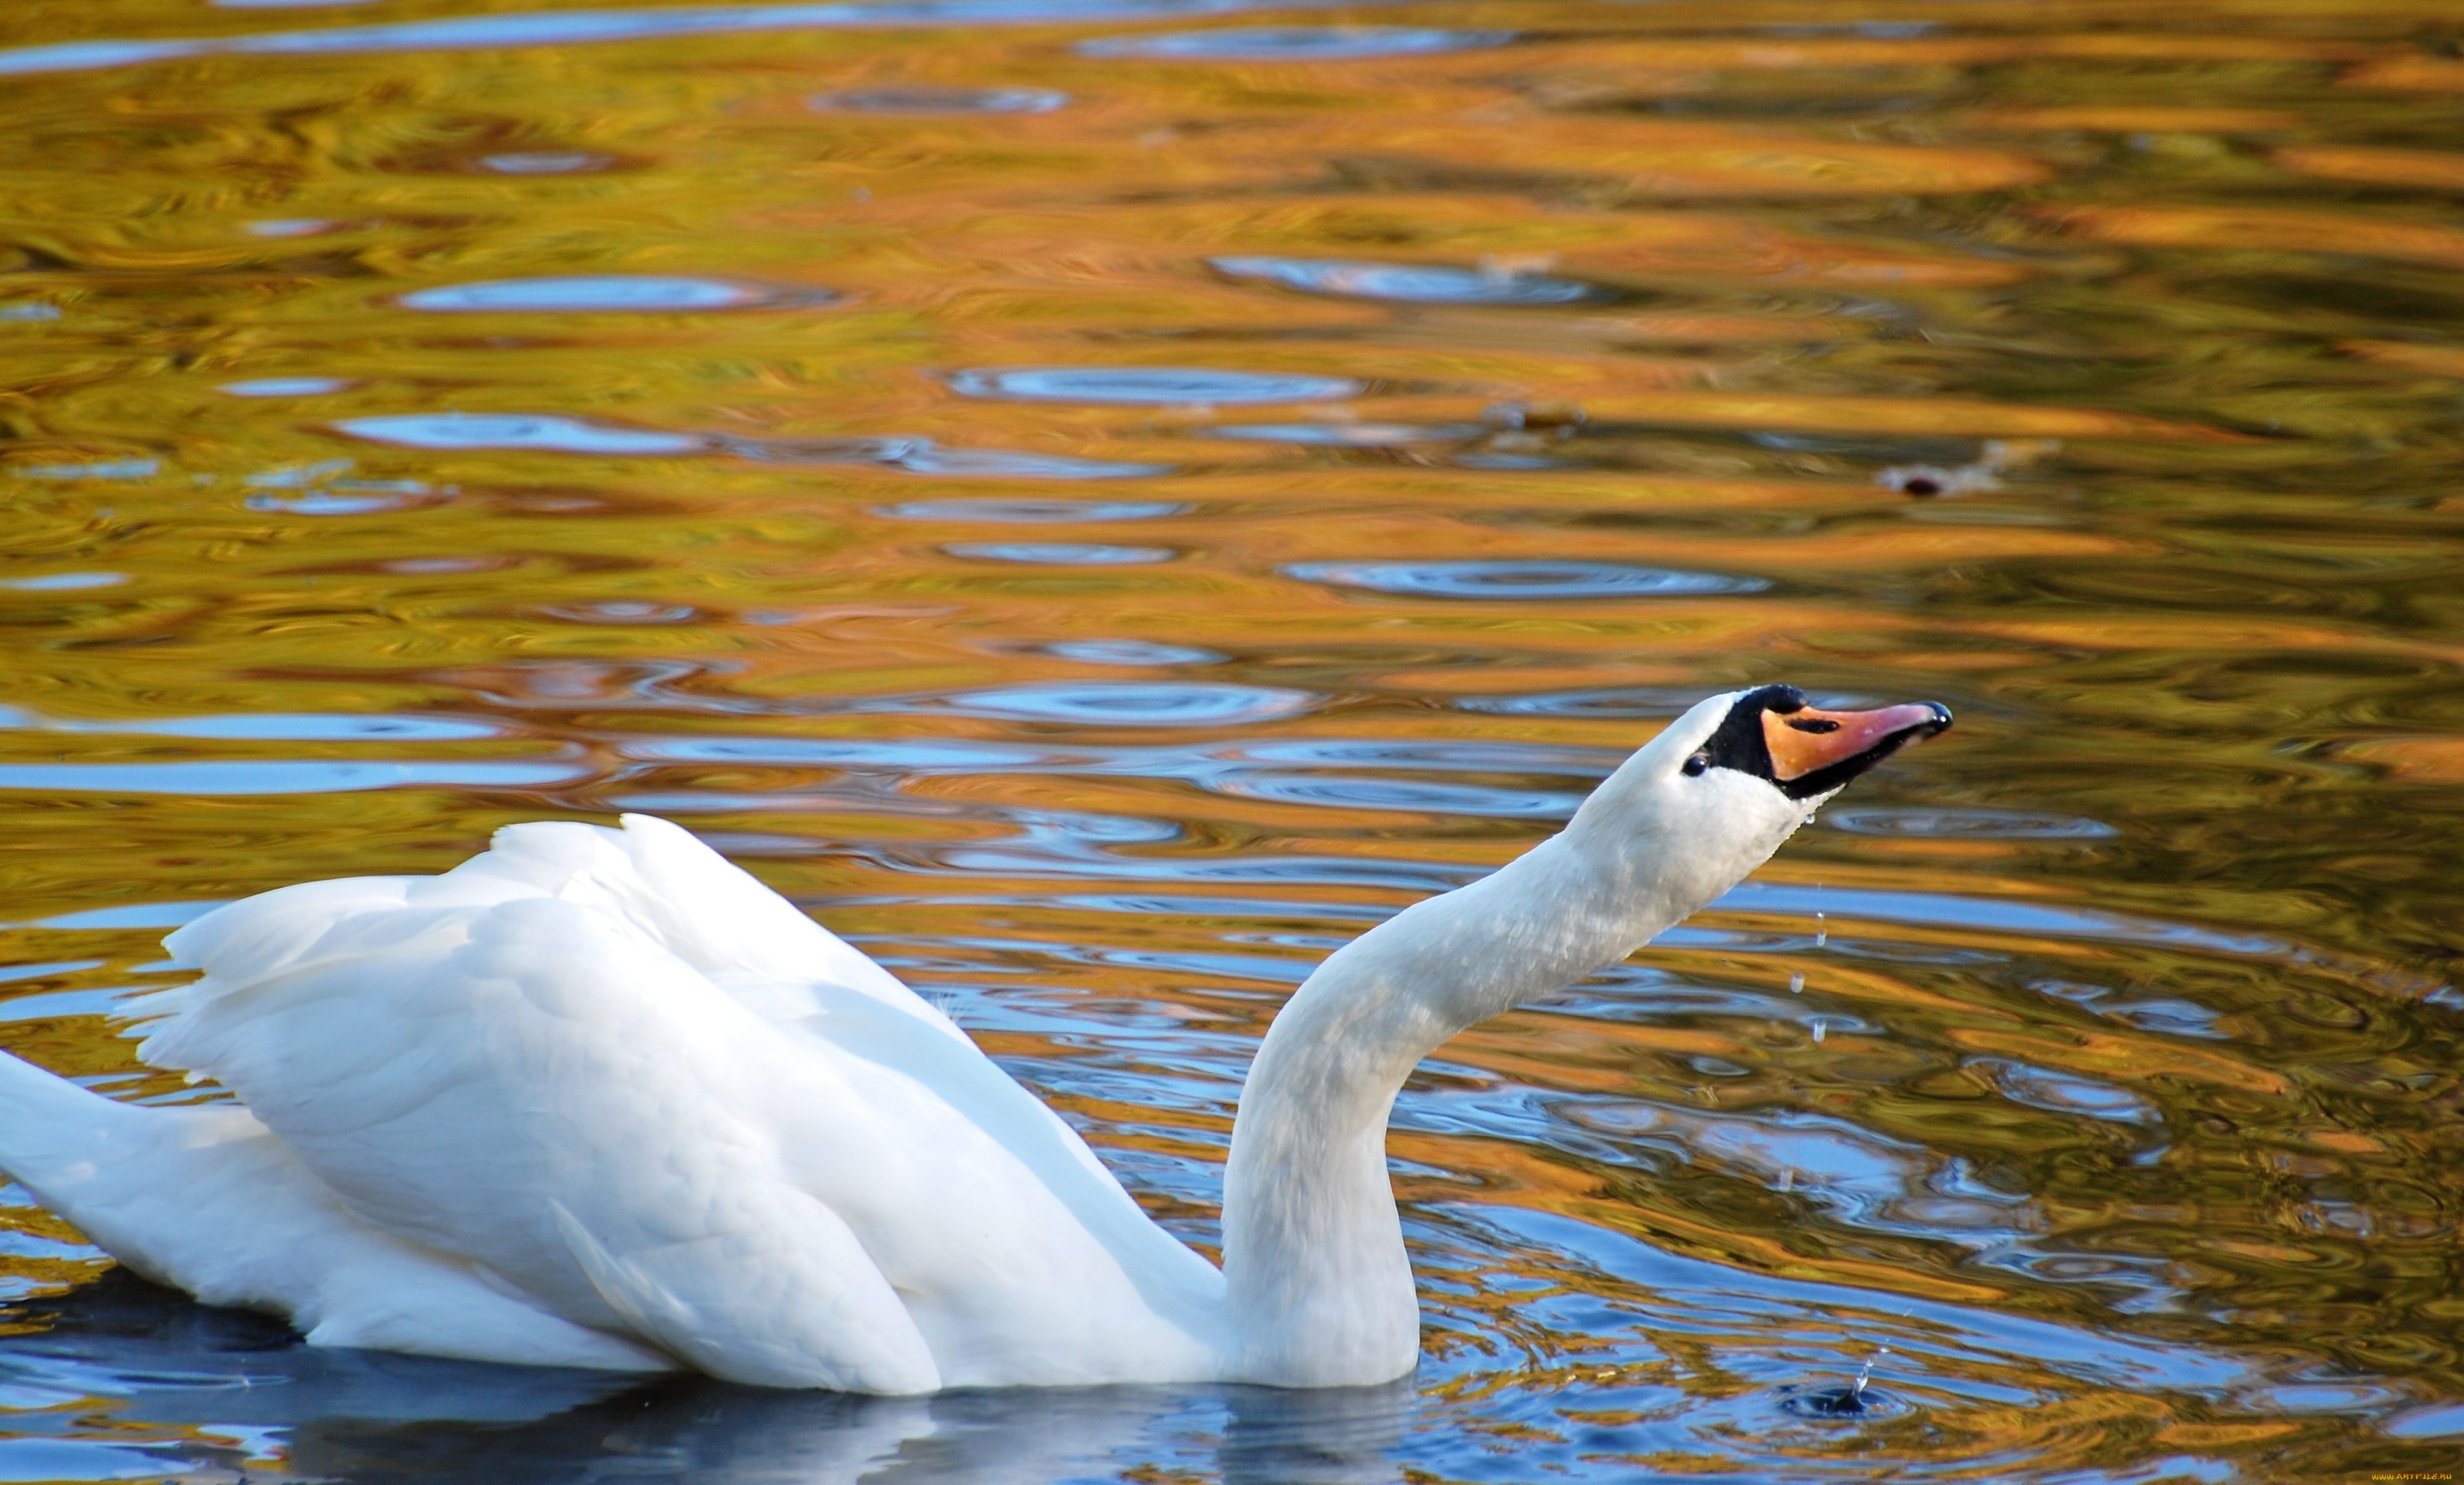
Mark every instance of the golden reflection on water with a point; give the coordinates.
(1102, 507)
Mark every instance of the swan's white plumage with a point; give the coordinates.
(597, 1098)
(623, 1084)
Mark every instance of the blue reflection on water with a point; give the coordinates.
(448, 431)
(1351, 435)
(1147, 386)
(1412, 283)
(285, 386)
(1129, 652)
(600, 293)
(565, 28)
(1968, 824)
(1122, 704)
(1030, 512)
(940, 100)
(1521, 580)
(278, 776)
(1295, 43)
(284, 727)
(65, 582)
(1061, 554)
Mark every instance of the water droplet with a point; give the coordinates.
(603, 292)
(1410, 283)
(1796, 984)
(940, 100)
(1147, 385)
(1521, 580)
(1820, 1031)
(1294, 43)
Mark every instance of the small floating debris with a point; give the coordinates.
(1999, 457)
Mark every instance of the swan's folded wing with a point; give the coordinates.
(545, 1088)
(695, 903)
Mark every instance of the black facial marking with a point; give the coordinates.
(1738, 743)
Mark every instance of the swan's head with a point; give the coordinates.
(1710, 798)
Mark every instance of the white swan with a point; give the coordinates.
(596, 1098)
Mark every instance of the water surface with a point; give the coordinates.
(419, 415)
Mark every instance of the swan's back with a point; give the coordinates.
(630, 1086)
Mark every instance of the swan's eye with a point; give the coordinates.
(1697, 764)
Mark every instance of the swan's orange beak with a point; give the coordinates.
(1810, 741)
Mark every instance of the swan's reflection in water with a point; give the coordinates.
(201, 1391)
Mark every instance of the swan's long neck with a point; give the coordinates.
(1320, 1293)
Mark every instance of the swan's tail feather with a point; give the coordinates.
(56, 1133)
(203, 1198)
(125, 1175)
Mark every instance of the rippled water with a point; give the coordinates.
(424, 415)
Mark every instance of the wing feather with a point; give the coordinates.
(618, 1074)
(540, 1086)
